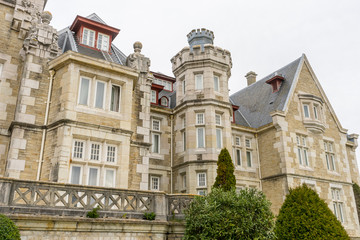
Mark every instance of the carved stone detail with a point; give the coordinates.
(137, 60)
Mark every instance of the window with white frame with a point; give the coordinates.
(216, 84)
(249, 158)
(202, 192)
(154, 183)
(153, 96)
(111, 154)
(306, 111)
(237, 157)
(200, 137)
(184, 87)
(218, 119)
(201, 179)
(84, 91)
(93, 176)
(329, 156)
(88, 37)
(184, 140)
(248, 143)
(95, 151)
(164, 102)
(78, 150)
(155, 143)
(237, 141)
(115, 98)
(75, 174)
(167, 85)
(198, 82)
(200, 119)
(109, 180)
(103, 42)
(156, 125)
(316, 111)
(338, 205)
(218, 138)
(100, 94)
(302, 150)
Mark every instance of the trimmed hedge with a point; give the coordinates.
(229, 215)
(304, 216)
(8, 229)
(225, 178)
(356, 190)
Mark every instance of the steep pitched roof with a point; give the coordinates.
(257, 101)
(68, 41)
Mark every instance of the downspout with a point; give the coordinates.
(258, 157)
(171, 153)
(52, 73)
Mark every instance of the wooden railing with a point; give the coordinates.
(46, 198)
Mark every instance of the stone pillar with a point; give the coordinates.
(251, 78)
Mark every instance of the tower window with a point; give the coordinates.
(198, 82)
(216, 84)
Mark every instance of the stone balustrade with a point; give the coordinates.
(58, 199)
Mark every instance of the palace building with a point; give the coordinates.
(75, 109)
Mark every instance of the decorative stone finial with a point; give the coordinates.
(46, 17)
(137, 47)
(200, 37)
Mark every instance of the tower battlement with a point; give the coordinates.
(200, 37)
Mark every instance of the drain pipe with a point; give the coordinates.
(258, 157)
(51, 78)
(171, 153)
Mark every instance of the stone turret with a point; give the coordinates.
(200, 37)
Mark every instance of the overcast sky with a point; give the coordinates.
(262, 36)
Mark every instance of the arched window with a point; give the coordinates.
(164, 101)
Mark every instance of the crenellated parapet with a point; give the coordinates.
(196, 55)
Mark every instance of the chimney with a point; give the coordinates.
(251, 77)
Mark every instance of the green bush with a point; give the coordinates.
(8, 230)
(150, 216)
(304, 216)
(225, 178)
(93, 213)
(356, 190)
(229, 215)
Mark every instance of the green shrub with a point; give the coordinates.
(356, 190)
(225, 178)
(150, 216)
(229, 215)
(93, 213)
(8, 230)
(304, 215)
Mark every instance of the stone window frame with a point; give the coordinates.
(197, 119)
(81, 173)
(237, 157)
(153, 177)
(76, 152)
(114, 176)
(119, 98)
(198, 174)
(199, 87)
(219, 145)
(330, 157)
(249, 152)
(302, 150)
(315, 121)
(197, 138)
(96, 92)
(97, 177)
(338, 203)
(156, 132)
(88, 91)
(216, 82)
(166, 103)
(107, 154)
(218, 120)
(94, 153)
(1, 68)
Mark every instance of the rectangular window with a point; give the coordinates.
(184, 181)
(103, 42)
(202, 192)
(237, 141)
(156, 125)
(100, 94)
(306, 111)
(156, 143)
(238, 157)
(184, 140)
(111, 153)
(200, 136)
(249, 158)
(200, 119)
(93, 177)
(218, 119)
(302, 150)
(184, 122)
(198, 82)
(75, 175)
(248, 143)
(316, 112)
(183, 87)
(218, 138)
(154, 183)
(95, 151)
(109, 178)
(216, 83)
(153, 96)
(78, 149)
(84, 91)
(329, 156)
(88, 37)
(201, 177)
(338, 204)
(1, 69)
(115, 98)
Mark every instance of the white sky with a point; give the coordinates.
(261, 35)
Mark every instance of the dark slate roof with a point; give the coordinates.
(68, 41)
(257, 101)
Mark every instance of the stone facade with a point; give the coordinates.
(148, 131)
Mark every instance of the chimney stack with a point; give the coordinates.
(251, 77)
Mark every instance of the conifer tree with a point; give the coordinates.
(225, 178)
(305, 216)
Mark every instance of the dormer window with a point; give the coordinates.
(164, 102)
(88, 37)
(103, 42)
